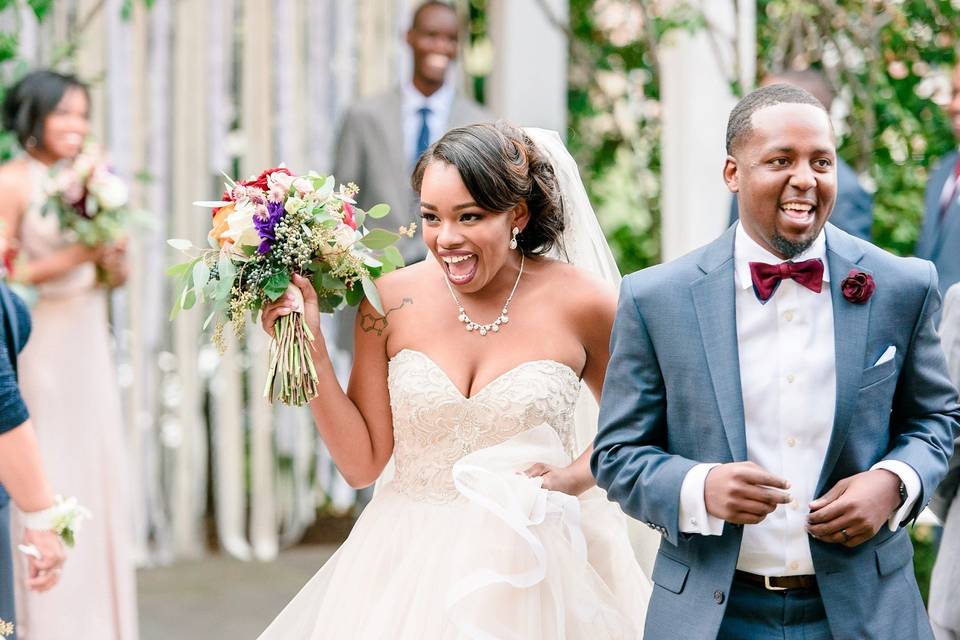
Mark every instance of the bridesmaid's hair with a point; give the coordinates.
(28, 103)
(502, 167)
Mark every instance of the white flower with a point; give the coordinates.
(109, 190)
(240, 226)
(344, 236)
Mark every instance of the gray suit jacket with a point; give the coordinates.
(672, 398)
(853, 211)
(370, 153)
(950, 338)
(939, 241)
(945, 581)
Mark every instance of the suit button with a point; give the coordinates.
(718, 597)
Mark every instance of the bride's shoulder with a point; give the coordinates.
(399, 285)
(579, 287)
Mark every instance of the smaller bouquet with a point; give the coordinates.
(91, 202)
(266, 229)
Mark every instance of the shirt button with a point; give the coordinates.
(788, 316)
(791, 442)
(790, 378)
(794, 565)
(718, 597)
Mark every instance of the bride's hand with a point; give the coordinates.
(285, 304)
(563, 479)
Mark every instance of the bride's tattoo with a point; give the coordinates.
(374, 322)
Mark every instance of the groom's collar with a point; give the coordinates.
(720, 252)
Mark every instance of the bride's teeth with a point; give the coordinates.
(455, 259)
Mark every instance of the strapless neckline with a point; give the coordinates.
(497, 379)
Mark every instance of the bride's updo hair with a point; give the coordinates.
(31, 99)
(502, 167)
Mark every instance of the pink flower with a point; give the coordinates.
(348, 218)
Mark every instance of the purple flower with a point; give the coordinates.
(266, 226)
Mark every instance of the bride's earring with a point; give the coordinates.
(513, 240)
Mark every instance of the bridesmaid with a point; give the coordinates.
(21, 475)
(66, 371)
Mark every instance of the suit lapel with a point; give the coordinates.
(850, 324)
(715, 303)
(934, 231)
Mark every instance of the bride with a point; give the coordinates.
(486, 522)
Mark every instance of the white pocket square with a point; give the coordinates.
(887, 355)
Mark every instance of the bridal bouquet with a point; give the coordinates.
(264, 230)
(91, 202)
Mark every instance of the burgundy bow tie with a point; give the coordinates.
(767, 277)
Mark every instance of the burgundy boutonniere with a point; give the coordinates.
(858, 286)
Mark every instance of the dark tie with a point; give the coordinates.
(767, 277)
(423, 138)
(954, 182)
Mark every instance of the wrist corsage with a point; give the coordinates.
(63, 518)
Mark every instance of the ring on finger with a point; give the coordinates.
(846, 536)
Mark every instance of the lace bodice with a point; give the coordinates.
(435, 425)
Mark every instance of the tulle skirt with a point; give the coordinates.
(506, 559)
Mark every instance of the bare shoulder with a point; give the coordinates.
(579, 289)
(14, 176)
(397, 290)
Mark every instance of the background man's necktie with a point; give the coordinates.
(423, 138)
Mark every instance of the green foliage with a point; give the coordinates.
(889, 61)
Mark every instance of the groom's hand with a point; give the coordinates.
(855, 508)
(743, 492)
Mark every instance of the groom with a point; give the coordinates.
(777, 406)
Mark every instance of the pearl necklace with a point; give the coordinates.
(484, 329)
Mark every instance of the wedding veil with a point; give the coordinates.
(583, 245)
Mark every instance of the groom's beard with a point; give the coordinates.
(790, 249)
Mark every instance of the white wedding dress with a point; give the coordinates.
(459, 543)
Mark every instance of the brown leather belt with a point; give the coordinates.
(777, 583)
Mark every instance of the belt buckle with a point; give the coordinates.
(770, 587)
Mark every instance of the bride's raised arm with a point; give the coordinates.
(356, 426)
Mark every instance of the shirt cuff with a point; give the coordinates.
(911, 480)
(693, 506)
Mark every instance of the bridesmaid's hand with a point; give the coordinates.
(286, 303)
(113, 261)
(564, 479)
(44, 573)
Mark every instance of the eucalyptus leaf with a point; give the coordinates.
(201, 274)
(180, 270)
(331, 283)
(373, 295)
(180, 244)
(206, 323)
(379, 211)
(379, 239)
(392, 255)
(354, 295)
(189, 299)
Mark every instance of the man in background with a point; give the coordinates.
(382, 136)
(853, 211)
(940, 235)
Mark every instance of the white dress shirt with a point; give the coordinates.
(439, 104)
(788, 379)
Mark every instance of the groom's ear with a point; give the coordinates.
(731, 174)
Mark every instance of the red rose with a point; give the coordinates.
(858, 286)
(261, 181)
(348, 218)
